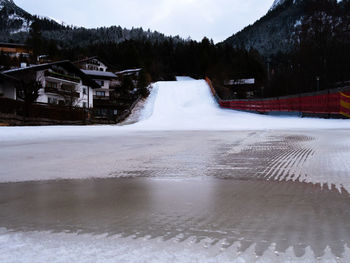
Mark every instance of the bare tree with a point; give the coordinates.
(70, 95)
(28, 90)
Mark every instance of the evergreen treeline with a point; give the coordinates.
(318, 56)
(321, 55)
(164, 60)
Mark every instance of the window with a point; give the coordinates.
(84, 91)
(100, 93)
(84, 105)
(101, 112)
(51, 85)
(51, 100)
(68, 88)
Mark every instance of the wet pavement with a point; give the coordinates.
(287, 189)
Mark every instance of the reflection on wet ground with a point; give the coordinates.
(254, 212)
(258, 189)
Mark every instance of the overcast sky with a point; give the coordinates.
(216, 19)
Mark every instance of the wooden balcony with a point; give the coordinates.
(62, 76)
(64, 93)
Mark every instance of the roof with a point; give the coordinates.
(86, 59)
(95, 57)
(240, 82)
(65, 64)
(3, 44)
(6, 77)
(127, 71)
(35, 67)
(99, 74)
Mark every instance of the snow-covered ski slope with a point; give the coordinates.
(188, 104)
(183, 105)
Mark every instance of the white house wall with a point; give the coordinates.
(105, 86)
(83, 98)
(91, 97)
(43, 97)
(94, 66)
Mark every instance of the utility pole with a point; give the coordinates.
(318, 83)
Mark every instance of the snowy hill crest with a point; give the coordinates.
(277, 3)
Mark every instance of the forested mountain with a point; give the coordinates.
(12, 19)
(163, 57)
(299, 46)
(15, 25)
(278, 30)
(273, 32)
(319, 57)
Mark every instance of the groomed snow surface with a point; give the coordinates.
(67, 247)
(184, 105)
(189, 105)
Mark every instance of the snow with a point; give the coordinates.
(71, 247)
(25, 23)
(99, 73)
(240, 82)
(277, 3)
(128, 71)
(186, 104)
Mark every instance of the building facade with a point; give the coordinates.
(105, 105)
(61, 83)
(15, 50)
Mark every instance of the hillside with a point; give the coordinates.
(13, 19)
(272, 33)
(15, 24)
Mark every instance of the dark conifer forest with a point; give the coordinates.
(314, 56)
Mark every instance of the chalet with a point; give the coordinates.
(131, 73)
(93, 63)
(242, 88)
(104, 103)
(62, 83)
(97, 70)
(8, 87)
(15, 50)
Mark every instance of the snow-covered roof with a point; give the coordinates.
(240, 82)
(96, 73)
(36, 67)
(127, 71)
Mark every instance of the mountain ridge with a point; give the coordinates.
(278, 30)
(273, 32)
(15, 25)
